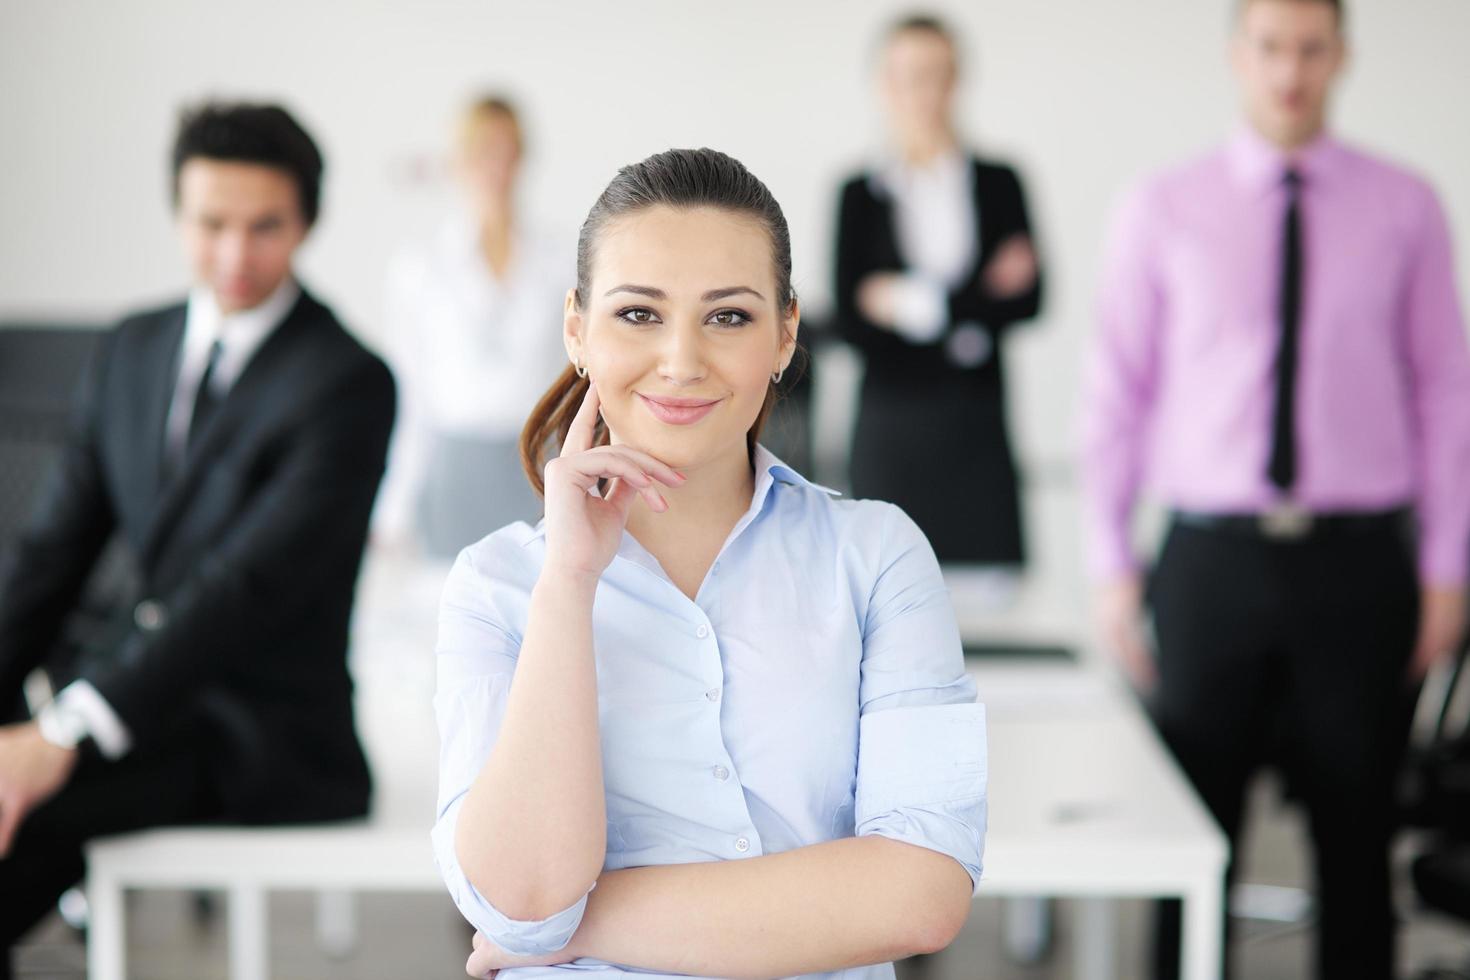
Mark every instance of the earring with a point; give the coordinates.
(580, 368)
(776, 376)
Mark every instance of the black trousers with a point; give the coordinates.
(1294, 654)
(149, 788)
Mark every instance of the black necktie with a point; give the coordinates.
(205, 398)
(1282, 467)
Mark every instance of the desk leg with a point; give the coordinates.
(1199, 959)
(106, 929)
(336, 922)
(1097, 939)
(1027, 925)
(249, 948)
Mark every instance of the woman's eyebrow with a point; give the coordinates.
(653, 292)
(728, 291)
(650, 291)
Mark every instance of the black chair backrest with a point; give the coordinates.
(40, 368)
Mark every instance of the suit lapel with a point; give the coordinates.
(261, 375)
(984, 229)
(157, 375)
(883, 234)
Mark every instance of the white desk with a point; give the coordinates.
(1086, 802)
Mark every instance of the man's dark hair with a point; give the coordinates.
(1338, 8)
(920, 22)
(244, 133)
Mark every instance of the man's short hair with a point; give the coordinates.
(923, 23)
(1338, 7)
(245, 133)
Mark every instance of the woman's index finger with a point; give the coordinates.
(584, 424)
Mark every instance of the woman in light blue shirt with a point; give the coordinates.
(704, 719)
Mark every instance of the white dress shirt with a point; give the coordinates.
(935, 225)
(240, 336)
(80, 710)
(472, 353)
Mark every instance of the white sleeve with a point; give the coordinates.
(920, 309)
(81, 700)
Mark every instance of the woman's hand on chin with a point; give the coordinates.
(583, 529)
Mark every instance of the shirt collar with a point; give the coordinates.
(892, 174)
(241, 333)
(1260, 164)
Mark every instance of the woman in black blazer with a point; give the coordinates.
(934, 261)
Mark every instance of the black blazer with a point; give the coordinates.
(867, 243)
(918, 405)
(245, 559)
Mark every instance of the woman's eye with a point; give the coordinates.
(637, 314)
(731, 318)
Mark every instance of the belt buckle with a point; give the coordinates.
(1285, 522)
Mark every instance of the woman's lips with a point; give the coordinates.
(679, 411)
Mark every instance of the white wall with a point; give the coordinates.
(1084, 94)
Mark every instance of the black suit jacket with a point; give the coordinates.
(246, 557)
(931, 433)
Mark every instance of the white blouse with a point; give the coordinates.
(472, 354)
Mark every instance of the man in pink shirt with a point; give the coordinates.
(1282, 362)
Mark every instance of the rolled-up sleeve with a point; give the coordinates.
(476, 658)
(922, 761)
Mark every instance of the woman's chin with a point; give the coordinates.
(682, 447)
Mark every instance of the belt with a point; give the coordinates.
(1291, 522)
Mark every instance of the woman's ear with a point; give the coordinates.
(571, 327)
(789, 326)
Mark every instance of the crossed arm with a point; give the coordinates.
(830, 906)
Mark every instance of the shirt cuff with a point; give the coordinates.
(920, 309)
(81, 700)
(909, 792)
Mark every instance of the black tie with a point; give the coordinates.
(205, 398)
(1282, 467)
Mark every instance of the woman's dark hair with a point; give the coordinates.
(920, 23)
(683, 179)
(263, 134)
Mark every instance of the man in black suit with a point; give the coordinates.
(233, 444)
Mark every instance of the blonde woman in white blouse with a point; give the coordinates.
(474, 337)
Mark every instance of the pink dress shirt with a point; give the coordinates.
(1180, 387)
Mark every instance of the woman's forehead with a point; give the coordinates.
(684, 249)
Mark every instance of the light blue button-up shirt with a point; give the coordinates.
(813, 689)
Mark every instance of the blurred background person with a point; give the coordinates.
(233, 442)
(935, 260)
(473, 335)
(1281, 355)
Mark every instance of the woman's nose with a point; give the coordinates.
(681, 361)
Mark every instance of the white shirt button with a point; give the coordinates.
(721, 773)
(702, 632)
(742, 845)
(713, 694)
